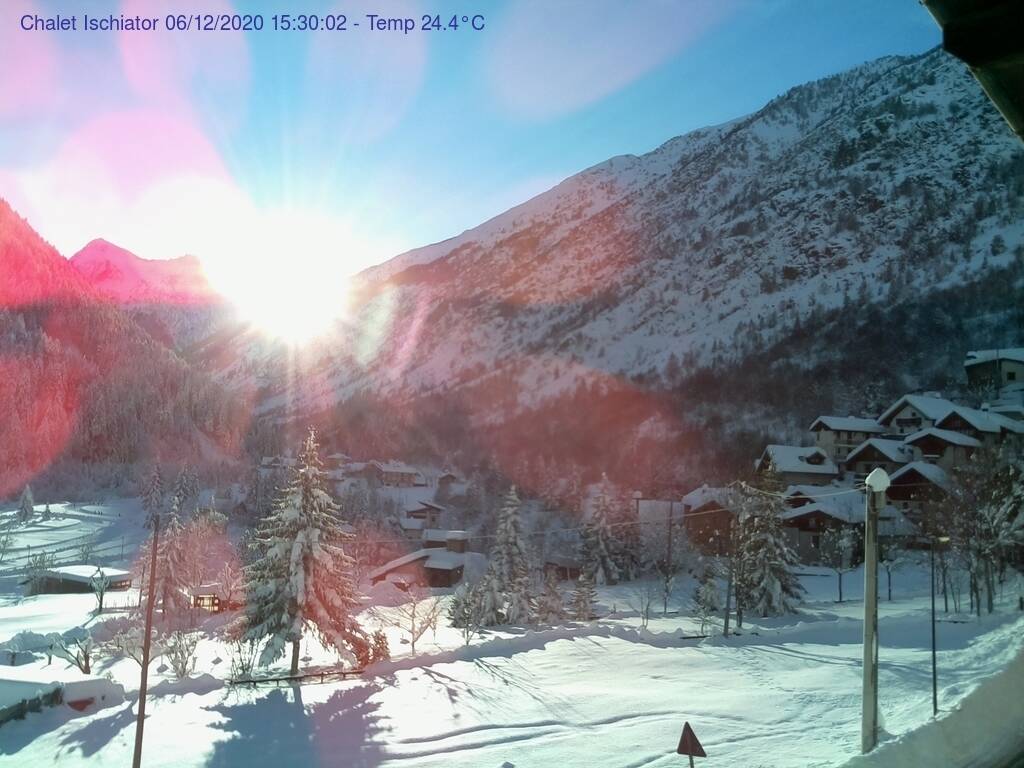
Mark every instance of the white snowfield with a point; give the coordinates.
(784, 694)
(987, 727)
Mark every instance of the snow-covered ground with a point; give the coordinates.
(784, 693)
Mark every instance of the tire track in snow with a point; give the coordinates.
(543, 729)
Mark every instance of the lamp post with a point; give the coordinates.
(935, 675)
(877, 483)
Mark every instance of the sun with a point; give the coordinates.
(287, 270)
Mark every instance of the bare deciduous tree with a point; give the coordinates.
(181, 652)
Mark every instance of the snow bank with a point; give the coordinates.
(79, 690)
(985, 729)
(199, 684)
(531, 640)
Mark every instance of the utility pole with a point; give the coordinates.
(137, 757)
(728, 584)
(668, 559)
(935, 672)
(877, 483)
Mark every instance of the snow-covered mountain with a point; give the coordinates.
(878, 185)
(127, 279)
(638, 314)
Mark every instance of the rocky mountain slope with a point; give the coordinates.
(878, 185)
(655, 310)
(86, 392)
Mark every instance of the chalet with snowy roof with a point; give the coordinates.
(434, 566)
(418, 516)
(565, 567)
(798, 464)
(912, 413)
(336, 460)
(990, 428)
(395, 474)
(838, 435)
(447, 479)
(277, 462)
(942, 446)
(882, 452)
(77, 578)
(995, 368)
(917, 487)
(707, 518)
(811, 510)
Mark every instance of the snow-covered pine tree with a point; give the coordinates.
(774, 588)
(172, 565)
(26, 506)
(706, 601)
(303, 577)
(505, 590)
(379, 648)
(186, 491)
(489, 601)
(466, 610)
(153, 495)
(598, 542)
(550, 606)
(519, 601)
(584, 596)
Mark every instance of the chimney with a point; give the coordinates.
(455, 541)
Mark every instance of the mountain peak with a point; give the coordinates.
(126, 278)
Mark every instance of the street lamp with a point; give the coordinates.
(876, 485)
(935, 675)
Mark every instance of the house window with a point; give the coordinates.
(1011, 375)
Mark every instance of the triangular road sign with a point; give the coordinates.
(688, 744)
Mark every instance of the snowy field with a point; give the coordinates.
(784, 693)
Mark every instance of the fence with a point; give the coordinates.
(331, 675)
(36, 704)
(110, 550)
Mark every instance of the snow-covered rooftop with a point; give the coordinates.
(929, 406)
(436, 559)
(395, 466)
(847, 423)
(894, 450)
(799, 458)
(979, 356)
(946, 435)
(931, 472)
(983, 421)
(84, 573)
(845, 505)
(704, 495)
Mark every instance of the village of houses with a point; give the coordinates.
(919, 440)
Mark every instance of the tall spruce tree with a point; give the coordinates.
(584, 596)
(505, 589)
(550, 606)
(303, 578)
(774, 588)
(598, 541)
(153, 495)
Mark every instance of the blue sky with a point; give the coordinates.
(385, 141)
